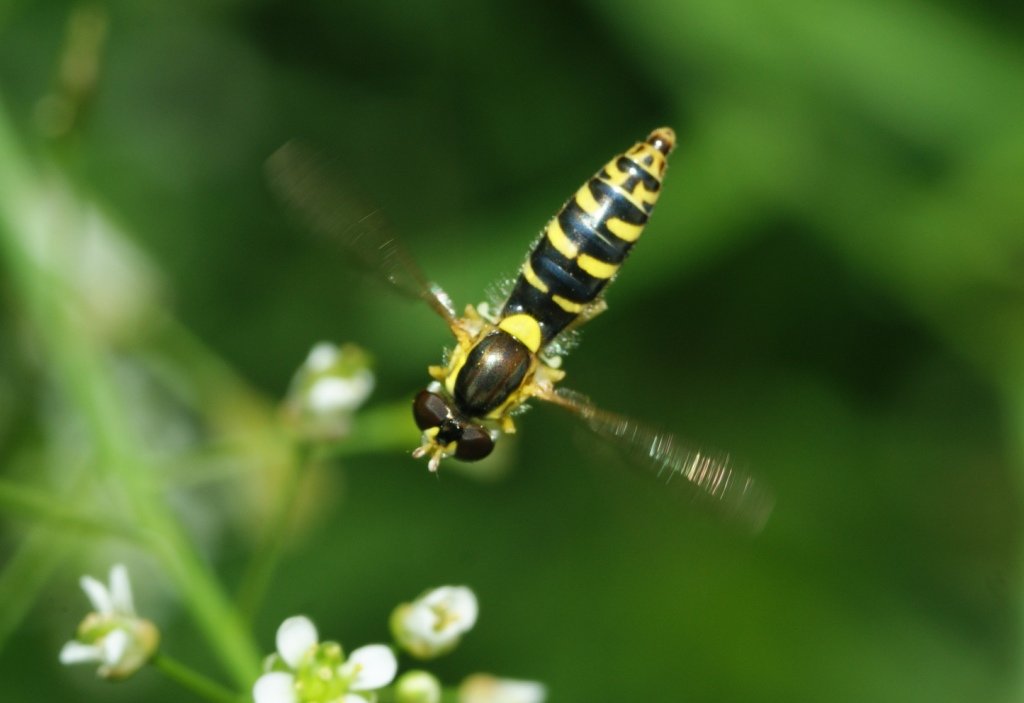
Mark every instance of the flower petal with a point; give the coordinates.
(460, 604)
(75, 652)
(374, 666)
(121, 590)
(114, 645)
(321, 357)
(421, 621)
(464, 605)
(331, 393)
(98, 595)
(296, 636)
(275, 687)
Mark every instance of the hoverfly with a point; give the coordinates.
(502, 359)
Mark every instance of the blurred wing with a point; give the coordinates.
(302, 179)
(715, 480)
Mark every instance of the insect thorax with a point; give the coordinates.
(495, 366)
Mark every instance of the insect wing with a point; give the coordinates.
(302, 179)
(726, 488)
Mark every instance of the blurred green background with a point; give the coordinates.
(832, 288)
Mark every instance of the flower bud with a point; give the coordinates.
(484, 688)
(417, 687)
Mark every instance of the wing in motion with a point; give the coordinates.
(303, 180)
(725, 488)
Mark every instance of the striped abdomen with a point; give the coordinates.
(583, 246)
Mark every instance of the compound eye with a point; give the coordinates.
(429, 410)
(474, 444)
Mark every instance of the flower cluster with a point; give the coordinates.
(304, 669)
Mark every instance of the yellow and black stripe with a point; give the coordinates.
(583, 246)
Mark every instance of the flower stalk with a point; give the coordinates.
(192, 680)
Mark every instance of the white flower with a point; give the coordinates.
(484, 688)
(434, 623)
(329, 386)
(307, 670)
(112, 636)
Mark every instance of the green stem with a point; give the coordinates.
(380, 429)
(46, 508)
(41, 552)
(80, 364)
(191, 679)
(266, 557)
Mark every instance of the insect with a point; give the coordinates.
(502, 359)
